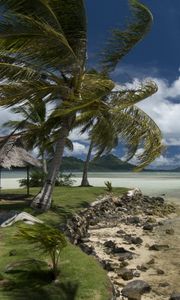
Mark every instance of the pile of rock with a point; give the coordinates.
(132, 209)
(124, 209)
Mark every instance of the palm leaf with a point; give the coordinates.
(137, 129)
(130, 97)
(121, 42)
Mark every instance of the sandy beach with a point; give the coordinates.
(134, 239)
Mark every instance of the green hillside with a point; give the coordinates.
(106, 163)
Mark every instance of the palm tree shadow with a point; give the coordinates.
(67, 212)
(39, 285)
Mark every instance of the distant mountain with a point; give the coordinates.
(72, 164)
(175, 170)
(106, 163)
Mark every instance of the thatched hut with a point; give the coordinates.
(14, 155)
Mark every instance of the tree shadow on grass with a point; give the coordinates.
(65, 213)
(37, 285)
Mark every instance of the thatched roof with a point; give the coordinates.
(14, 155)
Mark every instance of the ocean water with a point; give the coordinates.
(151, 183)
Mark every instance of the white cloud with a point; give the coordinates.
(164, 108)
(79, 149)
(75, 135)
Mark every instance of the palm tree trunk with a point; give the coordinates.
(44, 161)
(85, 181)
(43, 200)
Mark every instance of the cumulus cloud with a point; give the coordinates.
(79, 149)
(75, 135)
(164, 108)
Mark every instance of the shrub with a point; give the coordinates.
(108, 185)
(64, 180)
(37, 179)
(47, 239)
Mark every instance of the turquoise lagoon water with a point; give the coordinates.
(152, 183)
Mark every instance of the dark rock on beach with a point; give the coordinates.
(148, 227)
(175, 296)
(170, 231)
(157, 247)
(135, 289)
(126, 274)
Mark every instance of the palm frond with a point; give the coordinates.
(138, 130)
(121, 42)
(130, 97)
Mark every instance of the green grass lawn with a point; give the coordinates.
(81, 277)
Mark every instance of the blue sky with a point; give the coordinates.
(157, 57)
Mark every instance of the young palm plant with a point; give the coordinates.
(43, 49)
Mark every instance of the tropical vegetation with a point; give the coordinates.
(43, 49)
(33, 280)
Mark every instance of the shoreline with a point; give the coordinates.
(132, 244)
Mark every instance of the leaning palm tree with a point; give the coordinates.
(32, 122)
(111, 124)
(43, 50)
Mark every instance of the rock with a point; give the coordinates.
(133, 240)
(107, 265)
(109, 244)
(124, 264)
(126, 274)
(134, 289)
(170, 231)
(122, 253)
(87, 249)
(160, 272)
(125, 256)
(12, 252)
(85, 240)
(175, 296)
(143, 267)
(120, 232)
(136, 240)
(148, 227)
(136, 273)
(132, 248)
(133, 220)
(151, 220)
(151, 262)
(157, 247)
(164, 284)
(160, 223)
(133, 193)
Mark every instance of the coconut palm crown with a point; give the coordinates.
(43, 54)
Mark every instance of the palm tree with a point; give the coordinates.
(43, 55)
(112, 124)
(33, 123)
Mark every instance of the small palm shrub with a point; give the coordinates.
(64, 180)
(47, 239)
(108, 185)
(37, 179)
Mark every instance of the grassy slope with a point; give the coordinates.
(81, 277)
